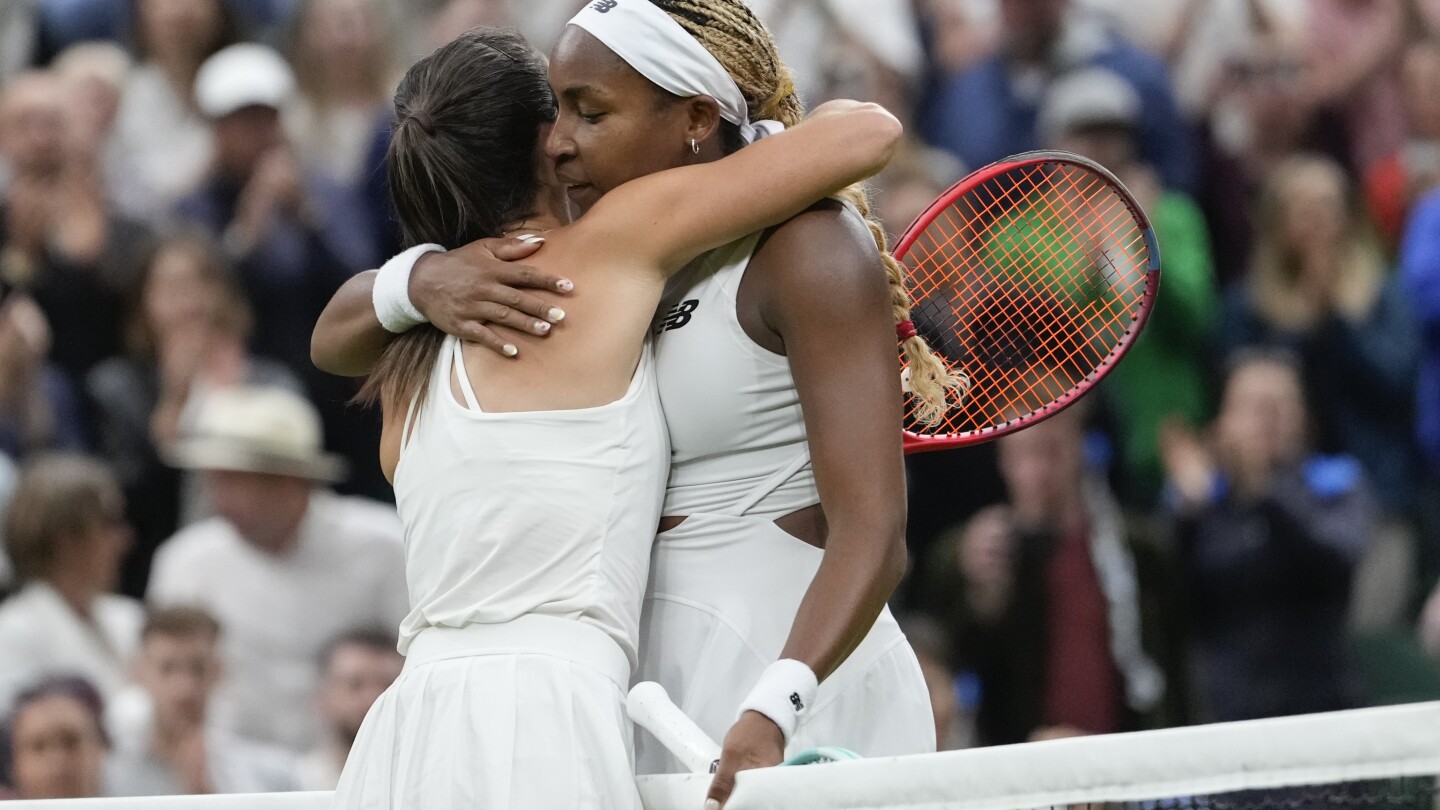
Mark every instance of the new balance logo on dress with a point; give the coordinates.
(603, 6)
(678, 316)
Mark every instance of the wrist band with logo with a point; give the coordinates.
(784, 693)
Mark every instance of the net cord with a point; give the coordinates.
(1392, 741)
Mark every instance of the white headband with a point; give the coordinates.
(653, 43)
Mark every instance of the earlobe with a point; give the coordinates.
(704, 119)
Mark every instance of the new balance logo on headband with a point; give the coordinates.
(678, 316)
(603, 6)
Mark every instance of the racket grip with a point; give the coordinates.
(651, 708)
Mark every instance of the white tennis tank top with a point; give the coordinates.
(737, 434)
(536, 512)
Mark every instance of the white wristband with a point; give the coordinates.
(784, 693)
(391, 295)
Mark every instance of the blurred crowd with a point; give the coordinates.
(203, 573)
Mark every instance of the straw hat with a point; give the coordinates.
(255, 429)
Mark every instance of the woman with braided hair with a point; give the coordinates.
(785, 509)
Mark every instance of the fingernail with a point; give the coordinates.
(542, 327)
(711, 804)
(510, 350)
(564, 285)
(556, 314)
(531, 239)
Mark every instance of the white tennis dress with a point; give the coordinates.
(725, 584)
(527, 547)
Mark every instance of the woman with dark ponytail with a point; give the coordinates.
(529, 491)
(777, 365)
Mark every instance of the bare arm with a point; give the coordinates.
(842, 354)
(461, 292)
(670, 217)
(846, 370)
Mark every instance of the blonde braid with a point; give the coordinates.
(731, 31)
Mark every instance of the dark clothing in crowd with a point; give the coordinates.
(1420, 274)
(291, 272)
(1360, 380)
(85, 304)
(989, 111)
(1268, 584)
(1066, 649)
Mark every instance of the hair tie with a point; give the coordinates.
(905, 330)
(423, 119)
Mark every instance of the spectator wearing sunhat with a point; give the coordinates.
(285, 566)
(1096, 112)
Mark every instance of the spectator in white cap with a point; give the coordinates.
(161, 144)
(1096, 112)
(293, 236)
(285, 566)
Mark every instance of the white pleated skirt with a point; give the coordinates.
(526, 715)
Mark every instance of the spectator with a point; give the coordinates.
(1420, 274)
(1317, 287)
(9, 475)
(281, 228)
(916, 176)
(1396, 181)
(178, 666)
(1356, 54)
(54, 743)
(285, 566)
(187, 329)
(953, 723)
(989, 110)
(1051, 601)
(94, 75)
(38, 408)
(1263, 111)
(1096, 113)
(19, 26)
(342, 52)
(161, 146)
(65, 534)
(1200, 38)
(1270, 535)
(355, 669)
(66, 23)
(958, 33)
(60, 242)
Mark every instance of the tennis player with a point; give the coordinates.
(529, 491)
(785, 510)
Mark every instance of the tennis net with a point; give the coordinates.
(1386, 757)
(1380, 758)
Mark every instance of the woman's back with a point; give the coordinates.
(548, 512)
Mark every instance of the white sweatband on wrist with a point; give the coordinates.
(391, 294)
(784, 693)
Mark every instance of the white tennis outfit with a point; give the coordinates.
(726, 584)
(527, 547)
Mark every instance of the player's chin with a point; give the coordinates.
(582, 196)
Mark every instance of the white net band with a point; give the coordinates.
(1150, 767)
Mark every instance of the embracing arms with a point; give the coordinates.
(667, 218)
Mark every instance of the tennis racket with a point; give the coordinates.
(650, 707)
(1032, 276)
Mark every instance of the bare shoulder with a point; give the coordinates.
(827, 248)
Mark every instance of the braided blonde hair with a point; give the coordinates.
(740, 41)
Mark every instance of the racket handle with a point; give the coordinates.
(650, 707)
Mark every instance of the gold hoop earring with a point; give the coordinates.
(694, 147)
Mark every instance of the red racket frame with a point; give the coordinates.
(917, 443)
